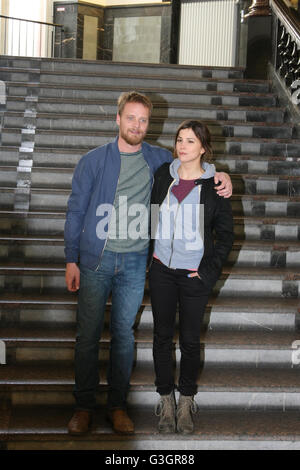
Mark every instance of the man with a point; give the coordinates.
(107, 181)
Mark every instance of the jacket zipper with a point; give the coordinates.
(107, 231)
(109, 219)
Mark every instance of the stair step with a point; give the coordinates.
(235, 388)
(222, 313)
(46, 429)
(85, 92)
(135, 81)
(248, 183)
(88, 140)
(157, 125)
(160, 109)
(248, 205)
(257, 280)
(252, 253)
(98, 66)
(257, 348)
(68, 158)
(52, 224)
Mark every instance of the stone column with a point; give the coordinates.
(259, 48)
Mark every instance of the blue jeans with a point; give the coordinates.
(123, 275)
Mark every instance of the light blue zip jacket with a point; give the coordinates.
(179, 235)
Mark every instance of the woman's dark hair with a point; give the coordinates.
(201, 132)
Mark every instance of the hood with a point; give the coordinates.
(209, 170)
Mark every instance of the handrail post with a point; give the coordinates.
(259, 8)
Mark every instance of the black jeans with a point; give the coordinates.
(167, 288)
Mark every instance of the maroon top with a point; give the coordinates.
(182, 189)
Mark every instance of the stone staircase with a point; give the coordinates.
(249, 388)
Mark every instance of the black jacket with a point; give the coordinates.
(218, 224)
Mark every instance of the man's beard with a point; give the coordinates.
(133, 139)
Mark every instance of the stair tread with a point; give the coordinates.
(82, 151)
(50, 422)
(52, 374)
(151, 135)
(280, 273)
(262, 337)
(62, 214)
(235, 196)
(144, 89)
(229, 304)
(267, 220)
(156, 104)
(234, 176)
(112, 117)
(289, 245)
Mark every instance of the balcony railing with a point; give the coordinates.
(21, 37)
(286, 54)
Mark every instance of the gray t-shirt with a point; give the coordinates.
(128, 227)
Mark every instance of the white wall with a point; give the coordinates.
(24, 38)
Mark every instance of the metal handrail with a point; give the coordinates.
(54, 43)
(289, 17)
(31, 21)
(286, 52)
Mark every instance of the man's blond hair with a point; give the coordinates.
(133, 97)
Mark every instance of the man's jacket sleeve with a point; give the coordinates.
(82, 186)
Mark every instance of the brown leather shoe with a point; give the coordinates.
(80, 422)
(120, 421)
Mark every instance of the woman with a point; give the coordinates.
(193, 237)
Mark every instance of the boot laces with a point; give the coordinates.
(164, 406)
(187, 403)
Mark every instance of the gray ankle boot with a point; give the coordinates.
(186, 407)
(166, 408)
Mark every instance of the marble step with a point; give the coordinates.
(135, 79)
(34, 278)
(84, 140)
(92, 66)
(145, 70)
(229, 348)
(176, 95)
(244, 253)
(234, 388)
(39, 427)
(162, 82)
(222, 313)
(157, 125)
(160, 109)
(68, 158)
(247, 205)
(52, 224)
(61, 178)
(226, 127)
(47, 223)
(257, 164)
